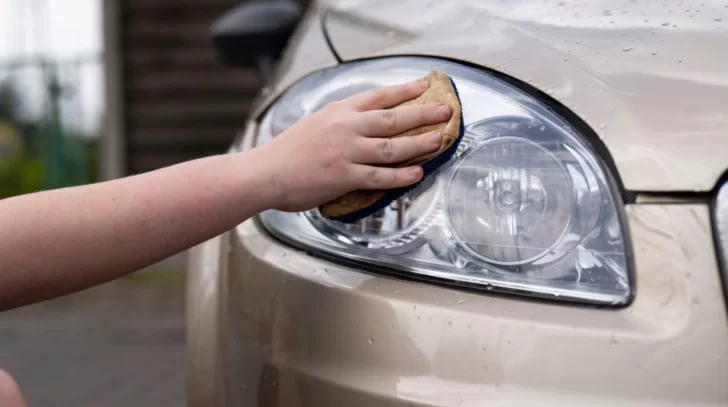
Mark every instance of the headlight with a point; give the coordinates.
(524, 206)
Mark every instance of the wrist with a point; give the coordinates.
(261, 180)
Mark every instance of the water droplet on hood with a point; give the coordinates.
(718, 19)
(371, 341)
(654, 53)
(613, 340)
(461, 301)
(665, 24)
(627, 49)
(602, 125)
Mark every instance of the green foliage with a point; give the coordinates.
(24, 174)
(20, 175)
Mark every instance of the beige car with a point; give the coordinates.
(569, 254)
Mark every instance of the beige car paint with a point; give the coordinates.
(318, 334)
(650, 77)
(293, 330)
(269, 325)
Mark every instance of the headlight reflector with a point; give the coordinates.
(524, 206)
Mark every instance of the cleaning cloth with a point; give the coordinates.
(359, 204)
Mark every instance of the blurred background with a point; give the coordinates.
(92, 90)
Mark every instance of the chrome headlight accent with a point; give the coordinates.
(524, 206)
(721, 229)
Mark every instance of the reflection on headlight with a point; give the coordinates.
(524, 205)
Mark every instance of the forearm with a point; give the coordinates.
(57, 242)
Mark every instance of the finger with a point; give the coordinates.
(385, 123)
(369, 177)
(396, 150)
(387, 96)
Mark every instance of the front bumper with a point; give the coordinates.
(276, 326)
(306, 332)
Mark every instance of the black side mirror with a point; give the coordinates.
(255, 33)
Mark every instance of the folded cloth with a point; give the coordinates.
(359, 204)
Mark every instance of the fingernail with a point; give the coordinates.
(436, 137)
(444, 110)
(416, 172)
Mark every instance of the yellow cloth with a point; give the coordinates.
(440, 91)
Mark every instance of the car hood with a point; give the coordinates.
(651, 78)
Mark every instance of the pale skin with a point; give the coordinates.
(62, 241)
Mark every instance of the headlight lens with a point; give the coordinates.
(524, 206)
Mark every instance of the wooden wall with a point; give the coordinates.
(178, 101)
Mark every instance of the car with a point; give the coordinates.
(573, 251)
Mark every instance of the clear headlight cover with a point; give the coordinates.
(524, 206)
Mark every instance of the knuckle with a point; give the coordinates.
(375, 177)
(386, 149)
(339, 121)
(378, 96)
(389, 118)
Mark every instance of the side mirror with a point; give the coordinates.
(255, 33)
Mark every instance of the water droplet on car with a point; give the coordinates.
(556, 294)
(484, 349)
(485, 368)
(718, 19)
(414, 308)
(696, 302)
(449, 323)
(613, 340)
(627, 49)
(567, 58)
(461, 301)
(391, 324)
(665, 24)
(654, 53)
(396, 291)
(542, 128)
(371, 341)
(602, 126)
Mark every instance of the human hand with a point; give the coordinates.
(348, 145)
